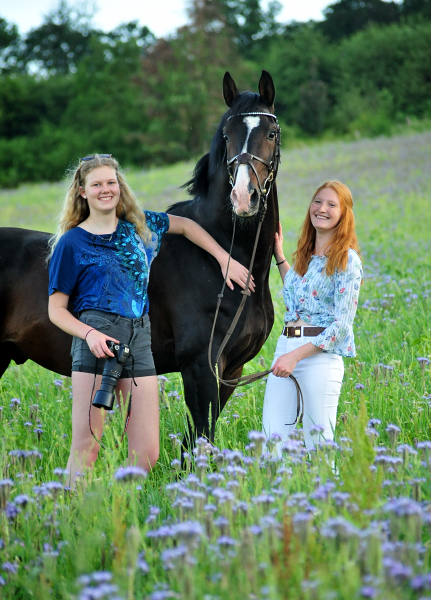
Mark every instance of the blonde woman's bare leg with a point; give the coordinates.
(143, 430)
(84, 449)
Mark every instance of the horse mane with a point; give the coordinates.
(209, 164)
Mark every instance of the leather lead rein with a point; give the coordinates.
(245, 379)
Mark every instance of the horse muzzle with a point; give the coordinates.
(245, 203)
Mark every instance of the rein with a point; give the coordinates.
(272, 166)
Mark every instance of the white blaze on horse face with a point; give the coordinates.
(241, 194)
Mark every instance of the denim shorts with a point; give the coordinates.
(136, 333)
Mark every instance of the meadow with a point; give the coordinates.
(350, 520)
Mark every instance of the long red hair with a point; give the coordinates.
(344, 234)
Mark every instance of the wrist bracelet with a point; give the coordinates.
(281, 262)
(92, 329)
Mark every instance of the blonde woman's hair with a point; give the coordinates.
(75, 208)
(344, 235)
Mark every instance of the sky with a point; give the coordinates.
(162, 17)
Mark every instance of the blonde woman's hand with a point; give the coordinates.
(97, 343)
(237, 273)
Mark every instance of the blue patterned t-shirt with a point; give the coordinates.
(104, 272)
(326, 301)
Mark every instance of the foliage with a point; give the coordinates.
(252, 26)
(181, 83)
(346, 17)
(68, 89)
(345, 522)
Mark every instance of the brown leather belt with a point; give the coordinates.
(299, 331)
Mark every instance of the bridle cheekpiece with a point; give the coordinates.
(246, 159)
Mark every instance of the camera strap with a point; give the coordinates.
(129, 408)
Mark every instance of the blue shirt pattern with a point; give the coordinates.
(108, 273)
(326, 301)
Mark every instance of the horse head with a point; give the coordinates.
(252, 136)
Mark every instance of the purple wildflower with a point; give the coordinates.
(339, 528)
(226, 542)
(188, 532)
(359, 386)
(395, 571)
(302, 525)
(263, 499)
(130, 473)
(175, 557)
(12, 511)
(23, 456)
(5, 486)
(39, 432)
(15, 403)
(421, 582)
(317, 430)
(10, 567)
(292, 447)
(60, 472)
(393, 431)
(141, 563)
(423, 362)
(367, 591)
(22, 500)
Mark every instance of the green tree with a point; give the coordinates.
(382, 75)
(346, 17)
(60, 42)
(251, 25)
(10, 41)
(301, 63)
(420, 8)
(181, 83)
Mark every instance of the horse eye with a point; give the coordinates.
(225, 137)
(271, 135)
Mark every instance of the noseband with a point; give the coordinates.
(247, 159)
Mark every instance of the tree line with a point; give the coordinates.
(68, 89)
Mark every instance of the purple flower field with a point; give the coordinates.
(349, 520)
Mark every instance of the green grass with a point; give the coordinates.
(270, 550)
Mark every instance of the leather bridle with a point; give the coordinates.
(247, 159)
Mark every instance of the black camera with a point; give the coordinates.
(104, 397)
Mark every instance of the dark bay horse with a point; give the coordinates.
(185, 281)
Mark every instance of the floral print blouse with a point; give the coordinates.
(326, 301)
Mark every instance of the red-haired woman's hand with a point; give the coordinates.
(278, 244)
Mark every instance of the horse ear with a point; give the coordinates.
(230, 91)
(267, 90)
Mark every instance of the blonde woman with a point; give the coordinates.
(321, 292)
(99, 266)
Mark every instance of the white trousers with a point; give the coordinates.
(320, 377)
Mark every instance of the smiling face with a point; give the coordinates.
(101, 190)
(325, 210)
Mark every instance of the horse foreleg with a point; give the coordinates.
(226, 391)
(201, 396)
(5, 359)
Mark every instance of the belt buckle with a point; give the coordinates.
(297, 331)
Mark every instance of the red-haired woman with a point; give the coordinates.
(321, 293)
